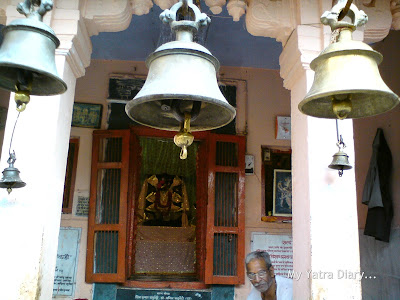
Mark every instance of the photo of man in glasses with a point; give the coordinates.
(266, 285)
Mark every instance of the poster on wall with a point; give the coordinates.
(81, 201)
(67, 261)
(279, 247)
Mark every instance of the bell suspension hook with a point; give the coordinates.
(27, 8)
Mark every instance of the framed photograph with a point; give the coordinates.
(282, 205)
(124, 87)
(87, 115)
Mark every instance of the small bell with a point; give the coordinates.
(184, 138)
(347, 83)
(340, 160)
(11, 178)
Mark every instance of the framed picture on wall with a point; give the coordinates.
(282, 205)
(87, 115)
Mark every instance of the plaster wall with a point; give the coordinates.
(365, 129)
(266, 98)
(378, 258)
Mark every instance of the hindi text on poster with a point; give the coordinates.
(279, 247)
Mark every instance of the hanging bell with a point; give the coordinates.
(347, 83)
(27, 55)
(10, 179)
(182, 79)
(340, 162)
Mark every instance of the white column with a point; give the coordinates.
(325, 235)
(30, 216)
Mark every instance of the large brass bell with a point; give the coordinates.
(182, 79)
(11, 179)
(27, 55)
(347, 83)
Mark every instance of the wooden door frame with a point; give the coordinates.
(134, 190)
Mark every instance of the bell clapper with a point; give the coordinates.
(21, 98)
(341, 107)
(23, 89)
(184, 138)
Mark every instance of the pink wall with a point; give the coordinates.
(263, 98)
(365, 129)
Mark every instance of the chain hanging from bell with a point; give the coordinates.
(347, 83)
(340, 160)
(181, 79)
(27, 55)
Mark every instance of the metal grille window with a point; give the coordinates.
(225, 213)
(108, 207)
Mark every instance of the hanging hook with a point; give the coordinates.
(344, 12)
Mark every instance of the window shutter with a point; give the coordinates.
(106, 246)
(70, 175)
(225, 210)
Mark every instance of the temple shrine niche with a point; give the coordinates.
(165, 213)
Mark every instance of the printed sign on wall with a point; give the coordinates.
(67, 261)
(144, 294)
(279, 247)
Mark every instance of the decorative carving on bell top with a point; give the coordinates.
(215, 5)
(236, 9)
(395, 9)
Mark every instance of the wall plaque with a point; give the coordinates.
(67, 261)
(141, 294)
(279, 248)
(82, 207)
